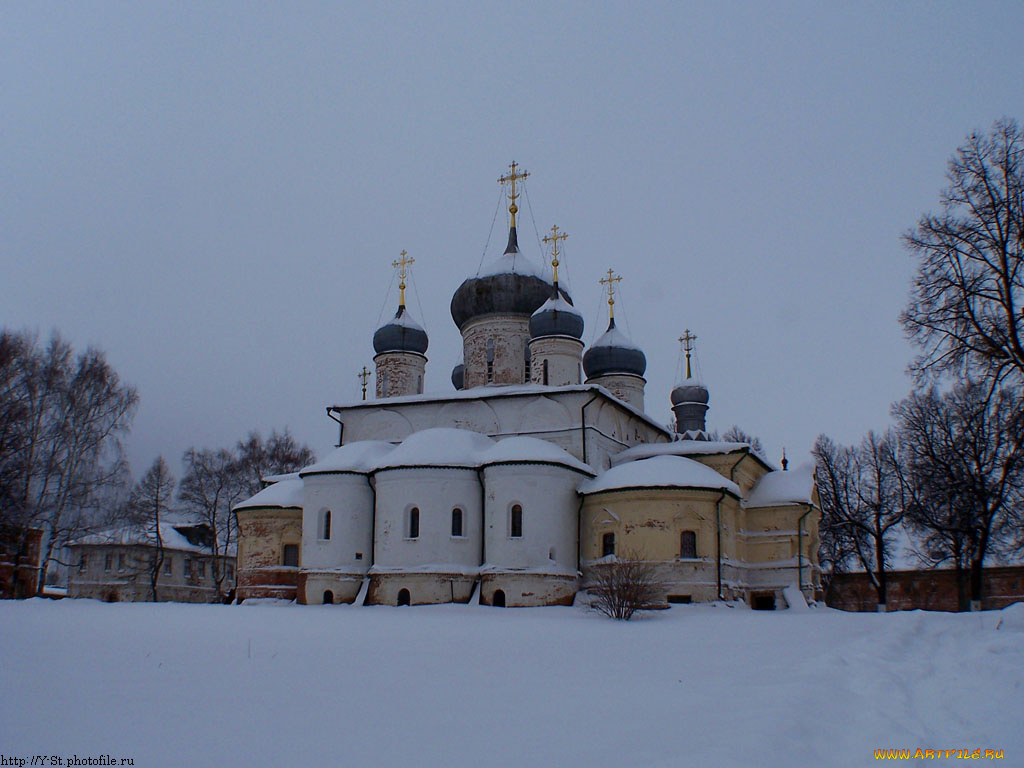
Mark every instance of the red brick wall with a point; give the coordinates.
(930, 590)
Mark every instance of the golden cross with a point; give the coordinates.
(364, 375)
(687, 340)
(512, 177)
(554, 237)
(610, 282)
(402, 263)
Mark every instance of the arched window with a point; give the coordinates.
(544, 376)
(419, 385)
(490, 361)
(456, 522)
(515, 527)
(290, 556)
(328, 597)
(325, 524)
(498, 601)
(384, 384)
(687, 544)
(608, 544)
(526, 356)
(414, 523)
(404, 598)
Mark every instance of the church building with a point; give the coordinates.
(537, 467)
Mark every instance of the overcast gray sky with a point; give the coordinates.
(214, 193)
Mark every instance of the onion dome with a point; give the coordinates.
(509, 285)
(689, 392)
(556, 317)
(401, 334)
(459, 376)
(614, 353)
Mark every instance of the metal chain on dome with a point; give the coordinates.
(380, 315)
(416, 292)
(536, 232)
(501, 195)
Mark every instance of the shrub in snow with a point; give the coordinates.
(621, 587)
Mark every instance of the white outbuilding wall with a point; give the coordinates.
(349, 498)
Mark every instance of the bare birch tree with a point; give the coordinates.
(148, 506)
(62, 417)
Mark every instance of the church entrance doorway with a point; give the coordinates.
(498, 601)
(403, 597)
(328, 597)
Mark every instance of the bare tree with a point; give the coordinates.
(61, 420)
(967, 305)
(277, 455)
(213, 482)
(964, 464)
(148, 506)
(623, 586)
(863, 499)
(736, 435)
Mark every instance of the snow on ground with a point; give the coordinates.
(285, 685)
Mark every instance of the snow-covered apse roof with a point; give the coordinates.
(360, 456)
(660, 472)
(780, 488)
(285, 494)
(518, 449)
(440, 446)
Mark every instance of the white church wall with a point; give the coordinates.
(350, 501)
(435, 492)
(547, 497)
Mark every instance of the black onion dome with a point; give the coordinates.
(556, 317)
(510, 285)
(401, 334)
(689, 393)
(614, 353)
(459, 376)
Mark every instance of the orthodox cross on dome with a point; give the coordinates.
(364, 375)
(687, 340)
(401, 264)
(610, 282)
(511, 178)
(553, 238)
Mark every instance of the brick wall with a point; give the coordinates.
(930, 590)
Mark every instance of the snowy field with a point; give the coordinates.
(293, 686)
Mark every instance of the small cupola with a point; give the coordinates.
(556, 316)
(690, 398)
(400, 346)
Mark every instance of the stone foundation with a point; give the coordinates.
(344, 587)
(523, 590)
(423, 588)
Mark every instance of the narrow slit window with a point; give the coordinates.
(325, 525)
(544, 368)
(688, 544)
(516, 522)
(456, 522)
(414, 523)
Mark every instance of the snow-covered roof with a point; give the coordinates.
(439, 446)
(513, 449)
(499, 390)
(512, 264)
(780, 488)
(129, 535)
(659, 472)
(361, 456)
(677, 448)
(285, 494)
